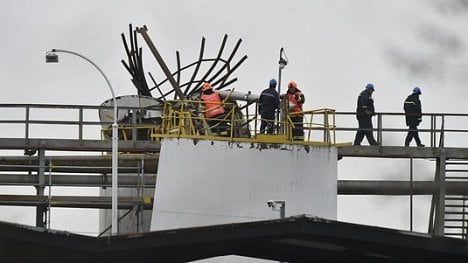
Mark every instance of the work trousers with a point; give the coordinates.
(365, 129)
(412, 133)
(268, 123)
(298, 130)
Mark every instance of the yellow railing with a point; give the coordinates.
(185, 119)
(126, 132)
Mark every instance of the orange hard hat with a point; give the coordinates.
(292, 84)
(206, 86)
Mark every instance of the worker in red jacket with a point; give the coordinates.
(213, 107)
(296, 99)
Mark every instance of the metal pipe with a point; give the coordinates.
(249, 97)
(372, 187)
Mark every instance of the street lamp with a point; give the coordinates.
(52, 57)
(283, 61)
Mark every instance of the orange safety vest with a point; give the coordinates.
(213, 105)
(292, 99)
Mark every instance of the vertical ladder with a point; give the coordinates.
(456, 206)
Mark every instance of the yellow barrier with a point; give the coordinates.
(185, 119)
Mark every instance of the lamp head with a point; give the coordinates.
(282, 63)
(51, 57)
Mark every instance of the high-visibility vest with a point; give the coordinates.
(213, 105)
(296, 105)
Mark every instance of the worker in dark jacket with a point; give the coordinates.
(296, 99)
(267, 105)
(364, 112)
(413, 115)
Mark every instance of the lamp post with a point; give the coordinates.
(283, 61)
(52, 57)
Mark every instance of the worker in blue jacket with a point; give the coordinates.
(364, 112)
(413, 116)
(268, 103)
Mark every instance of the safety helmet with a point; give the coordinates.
(206, 86)
(417, 90)
(292, 84)
(273, 82)
(370, 87)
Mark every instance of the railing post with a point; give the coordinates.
(442, 133)
(80, 124)
(134, 123)
(411, 194)
(326, 135)
(433, 130)
(26, 123)
(379, 128)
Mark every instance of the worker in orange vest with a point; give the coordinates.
(213, 106)
(296, 99)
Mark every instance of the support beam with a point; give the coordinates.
(78, 145)
(439, 223)
(401, 152)
(41, 210)
(380, 187)
(128, 163)
(99, 202)
(80, 180)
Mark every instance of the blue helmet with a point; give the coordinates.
(417, 90)
(273, 82)
(370, 87)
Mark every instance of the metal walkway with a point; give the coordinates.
(42, 167)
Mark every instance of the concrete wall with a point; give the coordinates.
(213, 182)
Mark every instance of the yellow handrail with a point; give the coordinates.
(186, 119)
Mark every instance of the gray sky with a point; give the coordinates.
(334, 47)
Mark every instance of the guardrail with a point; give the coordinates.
(81, 122)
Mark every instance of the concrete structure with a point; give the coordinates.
(207, 182)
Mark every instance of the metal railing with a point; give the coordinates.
(186, 119)
(81, 122)
(75, 122)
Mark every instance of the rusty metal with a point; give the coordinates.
(144, 32)
(213, 65)
(220, 78)
(197, 65)
(135, 64)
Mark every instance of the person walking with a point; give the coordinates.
(268, 103)
(296, 99)
(364, 112)
(413, 116)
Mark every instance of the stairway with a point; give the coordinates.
(456, 206)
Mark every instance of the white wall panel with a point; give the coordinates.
(213, 182)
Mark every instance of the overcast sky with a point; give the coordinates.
(335, 47)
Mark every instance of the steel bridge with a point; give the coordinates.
(45, 145)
